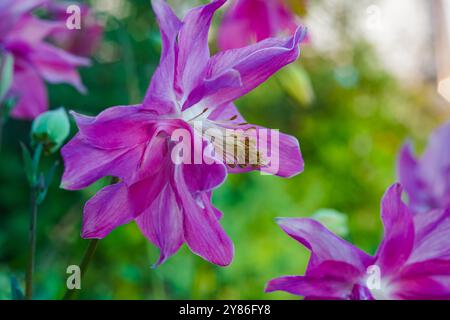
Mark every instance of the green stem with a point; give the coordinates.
(35, 187)
(32, 242)
(2, 123)
(84, 265)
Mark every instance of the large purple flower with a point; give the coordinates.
(412, 261)
(249, 21)
(427, 180)
(23, 36)
(170, 200)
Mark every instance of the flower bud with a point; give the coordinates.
(51, 129)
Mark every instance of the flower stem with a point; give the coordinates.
(33, 222)
(84, 265)
(32, 242)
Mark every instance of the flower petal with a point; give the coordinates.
(117, 127)
(161, 95)
(107, 210)
(398, 240)
(409, 177)
(58, 66)
(32, 97)
(193, 52)
(162, 223)
(202, 231)
(255, 64)
(227, 112)
(323, 244)
(310, 287)
(85, 164)
(431, 236)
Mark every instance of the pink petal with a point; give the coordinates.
(323, 244)
(85, 164)
(202, 230)
(32, 97)
(398, 240)
(225, 112)
(161, 96)
(315, 288)
(162, 223)
(255, 64)
(431, 236)
(117, 127)
(107, 210)
(58, 66)
(193, 52)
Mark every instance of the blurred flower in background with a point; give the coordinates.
(427, 180)
(83, 41)
(24, 36)
(250, 21)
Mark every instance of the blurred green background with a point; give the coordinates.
(350, 134)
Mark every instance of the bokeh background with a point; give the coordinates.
(365, 82)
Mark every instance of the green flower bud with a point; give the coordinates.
(51, 129)
(335, 221)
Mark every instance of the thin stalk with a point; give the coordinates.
(32, 245)
(84, 265)
(33, 222)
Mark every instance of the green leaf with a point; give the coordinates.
(28, 164)
(6, 74)
(45, 183)
(16, 291)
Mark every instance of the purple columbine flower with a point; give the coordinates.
(427, 180)
(412, 261)
(250, 21)
(23, 36)
(170, 200)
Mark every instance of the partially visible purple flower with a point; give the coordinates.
(427, 180)
(412, 261)
(250, 21)
(171, 201)
(23, 35)
(81, 42)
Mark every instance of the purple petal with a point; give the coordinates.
(226, 112)
(161, 95)
(435, 166)
(58, 66)
(193, 52)
(323, 244)
(408, 174)
(162, 223)
(32, 97)
(423, 288)
(32, 30)
(107, 210)
(85, 164)
(117, 127)
(255, 64)
(398, 240)
(202, 231)
(431, 236)
(310, 287)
